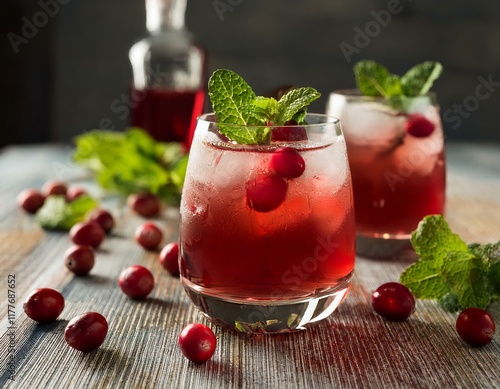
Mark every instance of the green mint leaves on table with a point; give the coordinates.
(58, 214)
(133, 162)
(458, 275)
(246, 118)
(373, 79)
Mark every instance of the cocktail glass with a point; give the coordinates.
(265, 247)
(397, 160)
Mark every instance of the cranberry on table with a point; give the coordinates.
(475, 326)
(54, 187)
(144, 204)
(74, 192)
(287, 162)
(419, 126)
(197, 342)
(393, 301)
(148, 235)
(136, 282)
(103, 218)
(266, 192)
(44, 305)
(169, 258)
(86, 332)
(87, 233)
(31, 200)
(79, 259)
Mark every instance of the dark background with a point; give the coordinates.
(64, 78)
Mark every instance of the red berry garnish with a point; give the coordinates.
(419, 126)
(266, 192)
(74, 192)
(393, 301)
(31, 200)
(287, 163)
(54, 187)
(475, 326)
(291, 133)
(136, 282)
(87, 234)
(103, 218)
(148, 235)
(86, 332)
(197, 342)
(79, 259)
(144, 204)
(44, 305)
(169, 258)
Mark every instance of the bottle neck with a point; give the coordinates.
(165, 15)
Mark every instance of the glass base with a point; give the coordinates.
(267, 316)
(384, 248)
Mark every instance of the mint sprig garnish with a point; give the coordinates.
(240, 112)
(373, 79)
(458, 275)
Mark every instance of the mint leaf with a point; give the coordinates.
(373, 79)
(424, 280)
(263, 109)
(295, 101)
(246, 118)
(449, 302)
(467, 277)
(131, 162)
(57, 214)
(419, 79)
(432, 240)
(229, 94)
(490, 255)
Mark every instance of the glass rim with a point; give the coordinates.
(210, 118)
(355, 94)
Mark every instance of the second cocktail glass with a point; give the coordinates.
(397, 162)
(267, 232)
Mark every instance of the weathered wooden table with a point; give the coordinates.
(354, 348)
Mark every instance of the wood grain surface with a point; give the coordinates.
(354, 348)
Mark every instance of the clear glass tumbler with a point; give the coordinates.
(267, 233)
(397, 159)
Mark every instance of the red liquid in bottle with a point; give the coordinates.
(168, 116)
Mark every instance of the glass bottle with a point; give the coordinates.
(169, 75)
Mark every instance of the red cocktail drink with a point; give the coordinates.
(267, 233)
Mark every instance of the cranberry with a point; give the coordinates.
(148, 235)
(86, 332)
(291, 133)
(31, 200)
(79, 259)
(475, 326)
(266, 192)
(169, 258)
(87, 233)
(54, 187)
(288, 163)
(74, 192)
(103, 218)
(136, 282)
(44, 305)
(144, 204)
(419, 126)
(197, 342)
(393, 301)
